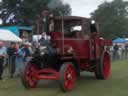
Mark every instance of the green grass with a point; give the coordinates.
(117, 85)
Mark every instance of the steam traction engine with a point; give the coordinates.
(77, 47)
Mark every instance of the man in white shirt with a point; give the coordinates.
(45, 39)
(3, 54)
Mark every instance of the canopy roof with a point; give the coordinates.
(119, 40)
(6, 35)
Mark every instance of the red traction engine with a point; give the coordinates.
(78, 47)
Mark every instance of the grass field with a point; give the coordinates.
(117, 85)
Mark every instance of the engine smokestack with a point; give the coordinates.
(45, 19)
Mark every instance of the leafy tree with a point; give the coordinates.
(112, 19)
(25, 11)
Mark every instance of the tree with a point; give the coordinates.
(112, 19)
(25, 11)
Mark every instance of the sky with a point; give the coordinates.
(84, 7)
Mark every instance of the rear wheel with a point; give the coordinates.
(103, 67)
(67, 76)
(27, 76)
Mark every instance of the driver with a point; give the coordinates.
(51, 52)
(45, 41)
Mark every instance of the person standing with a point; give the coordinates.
(45, 41)
(12, 51)
(20, 60)
(126, 51)
(27, 53)
(30, 49)
(116, 52)
(50, 55)
(3, 54)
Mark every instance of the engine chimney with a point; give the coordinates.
(45, 18)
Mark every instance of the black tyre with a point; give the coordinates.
(103, 67)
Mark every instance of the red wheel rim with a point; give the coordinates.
(29, 72)
(107, 66)
(69, 77)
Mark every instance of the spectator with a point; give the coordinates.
(2, 56)
(11, 51)
(115, 52)
(27, 52)
(30, 48)
(20, 60)
(122, 51)
(126, 50)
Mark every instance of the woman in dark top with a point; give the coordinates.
(12, 51)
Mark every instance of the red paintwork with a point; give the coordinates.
(47, 73)
(79, 45)
(107, 65)
(82, 48)
(106, 42)
(29, 76)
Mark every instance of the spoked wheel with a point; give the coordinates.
(67, 76)
(103, 67)
(27, 77)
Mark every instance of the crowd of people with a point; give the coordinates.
(119, 51)
(14, 56)
(17, 55)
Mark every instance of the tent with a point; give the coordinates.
(126, 39)
(119, 40)
(6, 35)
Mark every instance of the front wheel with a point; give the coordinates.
(67, 76)
(103, 67)
(27, 76)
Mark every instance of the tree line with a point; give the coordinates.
(112, 19)
(24, 12)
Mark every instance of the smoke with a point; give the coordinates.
(55, 4)
(59, 7)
